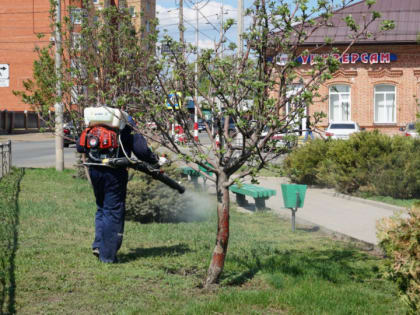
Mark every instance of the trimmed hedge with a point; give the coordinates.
(368, 162)
(9, 220)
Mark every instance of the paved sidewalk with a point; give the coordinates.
(30, 136)
(353, 217)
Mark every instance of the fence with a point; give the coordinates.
(19, 120)
(5, 158)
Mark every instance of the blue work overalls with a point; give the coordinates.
(110, 188)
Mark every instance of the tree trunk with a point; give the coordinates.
(222, 238)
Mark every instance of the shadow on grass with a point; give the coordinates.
(138, 253)
(334, 265)
(309, 229)
(10, 244)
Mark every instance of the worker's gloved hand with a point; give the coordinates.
(163, 160)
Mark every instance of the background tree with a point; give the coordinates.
(40, 91)
(102, 59)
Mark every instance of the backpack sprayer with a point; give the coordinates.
(98, 137)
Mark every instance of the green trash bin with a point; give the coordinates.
(293, 195)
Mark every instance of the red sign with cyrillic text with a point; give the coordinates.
(351, 58)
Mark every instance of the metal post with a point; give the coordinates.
(59, 151)
(2, 160)
(9, 143)
(294, 211)
(294, 219)
(25, 119)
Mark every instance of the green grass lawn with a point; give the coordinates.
(268, 269)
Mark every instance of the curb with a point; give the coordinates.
(362, 200)
(333, 193)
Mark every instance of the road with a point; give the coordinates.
(40, 154)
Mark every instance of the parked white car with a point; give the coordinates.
(342, 129)
(410, 130)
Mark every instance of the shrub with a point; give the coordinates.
(369, 162)
(81, 170)
(400, 239)
(301, 165)
(149, 200)
(398, 174)
(348, 164)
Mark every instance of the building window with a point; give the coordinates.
(76, 15)
(339, 103)
(132, 11)
(147, 26)
(95, 1)
(384, 103)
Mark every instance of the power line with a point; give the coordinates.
(208, 20)
(185, 20)
(193, 30)
(199, 31)
(207, 2)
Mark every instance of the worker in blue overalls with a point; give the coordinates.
(110, 188)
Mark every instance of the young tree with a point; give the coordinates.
(107, 63)
(249, 88)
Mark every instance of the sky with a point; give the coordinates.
(209, 19)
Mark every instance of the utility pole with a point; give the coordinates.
(181, 21)
(59, 151)
(196, 74)
(240, 27)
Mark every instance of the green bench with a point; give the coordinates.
(194, 175)
(260, 194)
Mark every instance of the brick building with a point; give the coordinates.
(378, 83)
(143, 11)
(21, 21)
